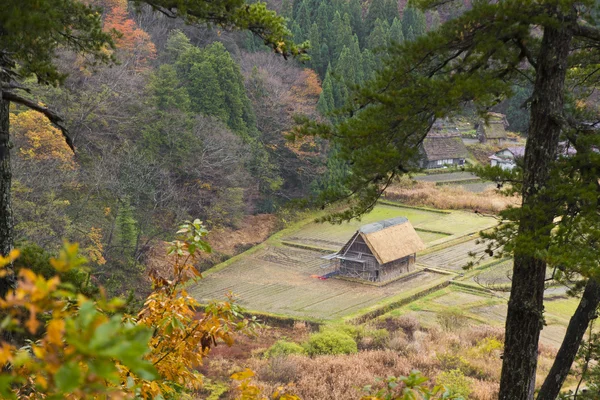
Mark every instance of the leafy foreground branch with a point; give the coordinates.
(85, 348)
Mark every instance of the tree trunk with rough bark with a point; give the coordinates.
(6, 220)
(526, 304)
(586, 311)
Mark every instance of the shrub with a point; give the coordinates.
(354, 331)
(280, 370)
(330, 342)
(452, 319)
(487, 346)
(283, 348)
(37, 259)
(409, 324)
(375, 339)
(449, 361)
(456, 382)
(398, 341)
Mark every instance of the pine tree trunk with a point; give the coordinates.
(586, 311)
(6, 220)
(524, 320)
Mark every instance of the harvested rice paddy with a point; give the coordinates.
(282, 276)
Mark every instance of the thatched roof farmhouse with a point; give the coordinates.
(380, 251)
(441, 149)
(494, 129)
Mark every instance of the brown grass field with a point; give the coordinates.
(448, 197)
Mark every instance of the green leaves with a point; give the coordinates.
(33, 30)
(105, 341)
(411, 387)
(68, 377)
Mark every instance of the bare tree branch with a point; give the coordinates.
(52, 116)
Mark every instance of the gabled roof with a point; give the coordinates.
(495, 127)
(438, 146)
(516, 151)
(389, 240)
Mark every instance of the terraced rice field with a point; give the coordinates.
(498, 275)
(432, 227)
(481, 308)
(447, 177)
(281, 280)
(456, 257)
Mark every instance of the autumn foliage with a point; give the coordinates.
(42, 141)
(128, 37)
(86, 348)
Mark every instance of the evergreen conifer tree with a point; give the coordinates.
(376, 11)
(326, 102)
(390, 8)
(345, 68)
(325, 56)
(127, 232)
(323, 20)
(396, 35)
(342, 34)
(413, 19)
(167, 90)
(297, 32)
(303, 19)
(205, 91)
(356, 21)
(369, 64)
(314, 36)
(287, 9)
(379, 38)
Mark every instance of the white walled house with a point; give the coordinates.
(506, 158)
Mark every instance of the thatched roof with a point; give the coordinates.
(495, 127)
(438, 146)
(391, 239)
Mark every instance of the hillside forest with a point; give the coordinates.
(188, 122)
(147, 145)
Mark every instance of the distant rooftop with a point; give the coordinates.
(380, 225)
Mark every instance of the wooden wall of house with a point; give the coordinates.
(359, 246)
(372, 271)
(396, 268)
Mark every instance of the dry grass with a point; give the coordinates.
(409, 347)
(447, 197)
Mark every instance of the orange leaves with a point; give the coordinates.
(43, 141)
(129, 38)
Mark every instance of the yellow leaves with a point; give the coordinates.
(43, 140)
(62, 362)
(95, 249)
(55, 331)
(6, 353)
(12, 256)
(68, 258)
